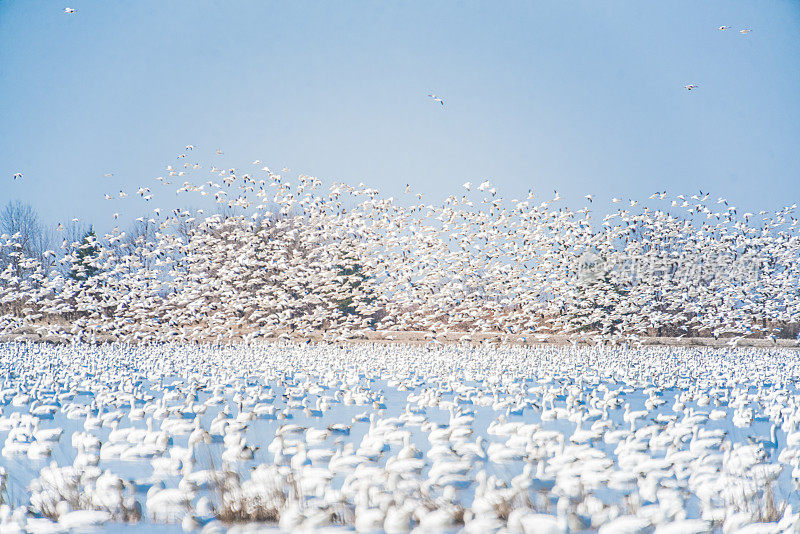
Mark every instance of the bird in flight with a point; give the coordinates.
(691, 86)
(17, 175)
(219, 151)
(437, 99)
(69, 10)
(746, 30)
(723, 28)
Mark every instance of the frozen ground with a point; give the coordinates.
(395, 438)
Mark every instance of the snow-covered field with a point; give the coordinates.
(395, 438)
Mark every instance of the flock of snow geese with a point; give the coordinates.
(393, 438)
(267, 257)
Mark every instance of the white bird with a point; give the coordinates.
(436, 99)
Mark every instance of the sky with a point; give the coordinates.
(585, 97)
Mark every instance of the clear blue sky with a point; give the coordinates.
(585, 96)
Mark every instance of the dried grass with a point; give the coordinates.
(237, 504)
(759, 501)
(767, 507)
(51, 498)
(505, 506)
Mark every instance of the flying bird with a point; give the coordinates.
(746, 30)
(437, 99)
(17, 175)
(723, 28)
(69, 10)
(691, 86)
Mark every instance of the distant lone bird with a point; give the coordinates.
(691, 86)
(17, 175)
(723, 28)
(437, 99)
(746, 30)
(69, 10)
